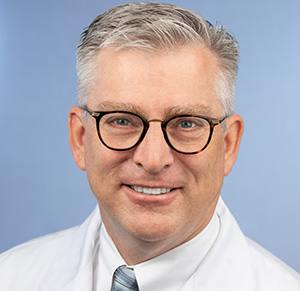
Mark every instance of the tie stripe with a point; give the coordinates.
(124, 279)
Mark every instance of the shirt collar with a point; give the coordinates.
(109, 259)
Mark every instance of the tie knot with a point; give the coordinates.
(124, 279)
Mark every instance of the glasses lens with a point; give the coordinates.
(120, 130)
(188, 134)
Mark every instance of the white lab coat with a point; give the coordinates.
(64, 261)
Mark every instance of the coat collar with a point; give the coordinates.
(227, 266)
(232, 264)
(72, 268)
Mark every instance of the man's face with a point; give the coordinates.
(153, 86)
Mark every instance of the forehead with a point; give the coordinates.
(182, 78)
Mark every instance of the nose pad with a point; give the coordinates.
(153, 153)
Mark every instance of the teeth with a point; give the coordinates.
(151, 191)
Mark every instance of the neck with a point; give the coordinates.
(135, 250)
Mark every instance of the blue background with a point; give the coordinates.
(41, 188)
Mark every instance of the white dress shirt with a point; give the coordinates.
(167, 272)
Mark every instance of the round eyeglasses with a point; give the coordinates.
(185, 134)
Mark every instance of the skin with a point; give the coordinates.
(156, 86)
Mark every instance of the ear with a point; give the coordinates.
(77, 135)
(233, 136)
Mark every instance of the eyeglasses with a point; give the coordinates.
(185, 134)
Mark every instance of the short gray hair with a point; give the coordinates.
(154, 27)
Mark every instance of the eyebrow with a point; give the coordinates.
(120, 106)
(188, 110)
(168, 112)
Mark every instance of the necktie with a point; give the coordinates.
(124, 280)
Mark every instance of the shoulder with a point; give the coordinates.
(52, 261)
(242, 262)
(32, 257)
(270, 268)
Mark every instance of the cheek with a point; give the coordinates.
(207, 170)
(103, 167)
(98, 158)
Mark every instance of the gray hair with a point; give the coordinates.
(155, 27)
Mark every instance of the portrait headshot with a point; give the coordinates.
(150, 146)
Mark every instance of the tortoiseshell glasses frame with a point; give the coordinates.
(119, 120)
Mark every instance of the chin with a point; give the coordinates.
(152, 234)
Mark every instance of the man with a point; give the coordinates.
(156, 132)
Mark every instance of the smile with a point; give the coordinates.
(151, 191)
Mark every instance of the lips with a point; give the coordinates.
(150, 191)
(151, 195)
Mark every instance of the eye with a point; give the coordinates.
(187, 124)
(122, 122)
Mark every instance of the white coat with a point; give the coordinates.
(64, 261)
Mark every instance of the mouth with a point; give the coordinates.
(150, 191)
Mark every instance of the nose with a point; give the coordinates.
(153, 154)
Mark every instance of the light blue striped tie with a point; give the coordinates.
(124, 280)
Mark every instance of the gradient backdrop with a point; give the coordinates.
(42, 190)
